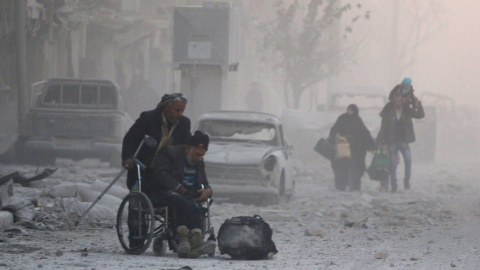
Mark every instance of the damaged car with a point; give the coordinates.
(75, 118)
(248, 158)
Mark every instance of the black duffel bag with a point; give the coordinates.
(246, 238)
(324, 148)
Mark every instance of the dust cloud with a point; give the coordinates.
(433, 42)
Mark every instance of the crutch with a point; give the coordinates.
(150, 142)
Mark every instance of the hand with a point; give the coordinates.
(181, 190)
(128, 164)
(415, 101)
(204, 195)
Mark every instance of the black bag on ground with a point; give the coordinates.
(246, 238)
(324, 148)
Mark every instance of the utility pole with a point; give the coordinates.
(20, 11)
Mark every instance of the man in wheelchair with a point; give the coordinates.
(180, 182)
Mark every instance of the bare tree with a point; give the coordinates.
(421, 19)
(298, 46)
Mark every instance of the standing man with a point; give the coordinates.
(180, 182)
(396, 131)
(166, 124)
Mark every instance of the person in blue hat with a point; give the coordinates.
(396, 131)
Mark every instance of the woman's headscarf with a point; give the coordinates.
(354, 108)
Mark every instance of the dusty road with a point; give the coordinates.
(433, 226)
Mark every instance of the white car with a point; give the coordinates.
(248, 159)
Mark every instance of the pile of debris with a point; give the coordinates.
(56, 198)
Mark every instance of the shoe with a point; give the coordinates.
(200, 247)
(407, 186)
(183, 248)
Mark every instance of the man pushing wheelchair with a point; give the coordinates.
(174, 172)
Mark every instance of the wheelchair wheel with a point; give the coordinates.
(135, 223)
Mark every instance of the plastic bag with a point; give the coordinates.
(343, 147)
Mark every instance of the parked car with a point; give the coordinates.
(77, 119)
(248, 158)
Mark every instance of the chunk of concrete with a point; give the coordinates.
(67, 190)
(75, 209)
(116, 191)
(6, 220)
(6, 191)
(109, 201)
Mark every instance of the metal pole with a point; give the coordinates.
(20, 9)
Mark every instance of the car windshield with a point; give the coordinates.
(239, 131)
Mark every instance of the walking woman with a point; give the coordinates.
(349, 170)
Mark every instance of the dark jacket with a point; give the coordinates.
(387, 131)
(150, 123)
(352, 127)
(168, 172)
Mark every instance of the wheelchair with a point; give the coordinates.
(140, 223)
(152, 224)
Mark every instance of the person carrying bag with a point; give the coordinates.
(352, 140)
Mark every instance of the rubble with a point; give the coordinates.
(54, 198)
(319, 227)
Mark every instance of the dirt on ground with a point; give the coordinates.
(432, 226)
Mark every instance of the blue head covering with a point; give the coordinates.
(406, 82)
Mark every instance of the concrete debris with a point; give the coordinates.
(22, 209)
(74, 209)
(24, 181)
(61, 196)
(381, 255)
(314, 232)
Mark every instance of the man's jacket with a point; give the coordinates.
(387, 131)
(168, 172)
(150, 123)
